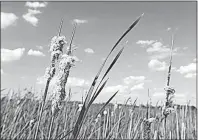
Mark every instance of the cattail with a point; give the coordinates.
(56, 49)
(80, 107)
(169, 106)
(66, 62)
(105, 112)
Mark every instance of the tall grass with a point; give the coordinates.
(126, 123)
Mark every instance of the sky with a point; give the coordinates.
(27, 28)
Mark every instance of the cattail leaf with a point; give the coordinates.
(107, 103)
(98, 92)
(109, 68)
(127, 31)
(87, 99)
(112, 64)
(96, 78)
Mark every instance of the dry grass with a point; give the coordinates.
(126, 123)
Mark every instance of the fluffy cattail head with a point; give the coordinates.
(168, 111)
(57, 43)
(80, 107)
(56, 47)
(169, 106)
(105, 112)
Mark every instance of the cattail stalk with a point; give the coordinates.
(66, 62)
(169, 91)
(50, 73)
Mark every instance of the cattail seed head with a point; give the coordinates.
(105, 112)
(80, 107)
(65, 63)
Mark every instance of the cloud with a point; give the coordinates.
(121, 88)
(8, 19)
(77, 82)
(156, 49)
(145, 42)
(188, 71)
(36, 4)
(138, 87)
(11, 55)
(80, 21)
(195, 60)
(35, 53)
(134, 79)
(39, 47)
(30, 16)
(157, 65)
(89, 50)
(162, 55)
(71, 81)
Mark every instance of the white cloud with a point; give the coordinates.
(157, 65)
(121, 88)
(39, 47)
(156, 49)
(30, 16)
(71, 81)
(89, 50)
(11, 55)
(162, 55)
(138, 87)
(145, 42)
(134, 79)
(34, 12)
(188, 71)
(78, 82)
(80, 21)
(36, 4)
(35, 53)
(190, 75)
(8, 19)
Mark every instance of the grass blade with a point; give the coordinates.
(87, 100)
(107, 103)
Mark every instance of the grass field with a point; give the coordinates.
(116, 121)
